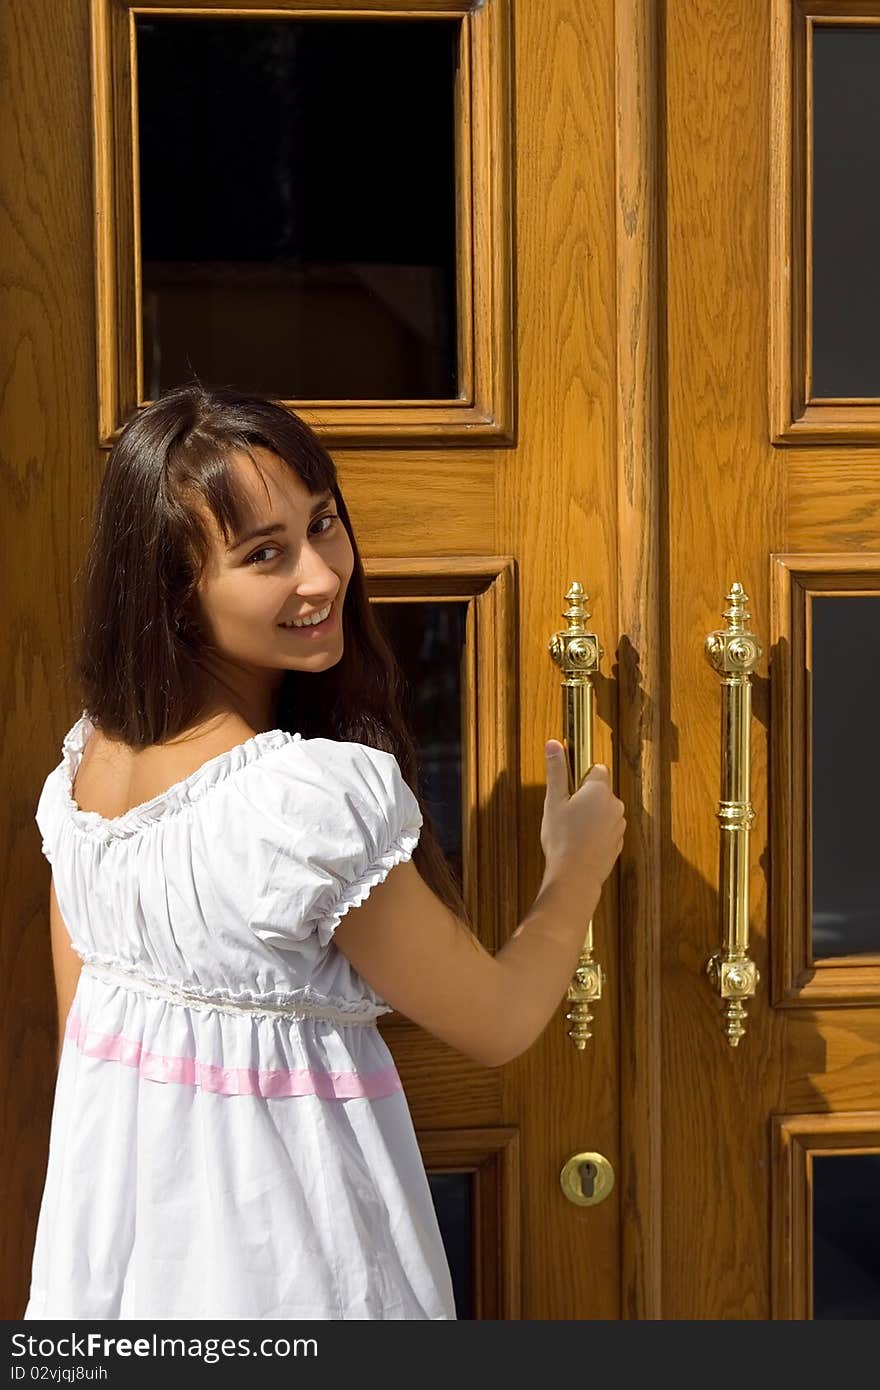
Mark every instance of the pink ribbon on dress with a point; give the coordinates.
(231, 1081)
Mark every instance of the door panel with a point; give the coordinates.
(488, 504)
(796, 523)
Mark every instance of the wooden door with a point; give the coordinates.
(474, 512)
(640, 407)
(771, 1149)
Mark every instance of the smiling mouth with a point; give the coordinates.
(311, 627)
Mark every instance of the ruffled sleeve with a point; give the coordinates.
(46, 814)
(55, 798)
(336, 817)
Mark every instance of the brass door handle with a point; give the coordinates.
(576, 652)
(734, 653)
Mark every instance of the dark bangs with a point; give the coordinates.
(200, 467)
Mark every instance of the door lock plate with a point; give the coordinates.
(587, 1179)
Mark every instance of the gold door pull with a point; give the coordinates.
(734, 653)
(576, 652)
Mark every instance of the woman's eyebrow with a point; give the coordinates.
(270, 528)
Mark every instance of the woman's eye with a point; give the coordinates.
(254, 559)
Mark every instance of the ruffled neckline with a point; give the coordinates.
(180, 794)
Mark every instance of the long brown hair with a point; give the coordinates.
(139, 646)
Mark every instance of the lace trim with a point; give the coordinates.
(399, 851)
(175, 994)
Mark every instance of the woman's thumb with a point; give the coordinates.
(557, 767)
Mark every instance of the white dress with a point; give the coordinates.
(230, 1138)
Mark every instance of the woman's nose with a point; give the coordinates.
(314, 575)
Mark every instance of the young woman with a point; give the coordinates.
(229, 1135)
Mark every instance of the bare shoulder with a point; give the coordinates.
(113, 777)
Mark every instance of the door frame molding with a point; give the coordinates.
(484, 410)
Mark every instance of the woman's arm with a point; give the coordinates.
(428, 964)
(66, 964)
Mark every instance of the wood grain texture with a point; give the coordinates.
(556, 511)
(442, 1087)
(49, 472)
(726, 514)
(640, 671)
(409, 502)
(831, 1060)
(786, 522)
(834, 499)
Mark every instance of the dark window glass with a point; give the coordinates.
(298, 206)
(428, 640)
(846, 210)
(846, 1235)
(846, 766)
(453, 1203)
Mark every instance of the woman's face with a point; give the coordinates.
(293, 559)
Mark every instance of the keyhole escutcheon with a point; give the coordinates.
(587, 1179)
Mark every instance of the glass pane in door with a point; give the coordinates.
(454, 1203)
(846, 1235)
(428, 640)
(845, 670)
(846, 210)
(298, 202)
